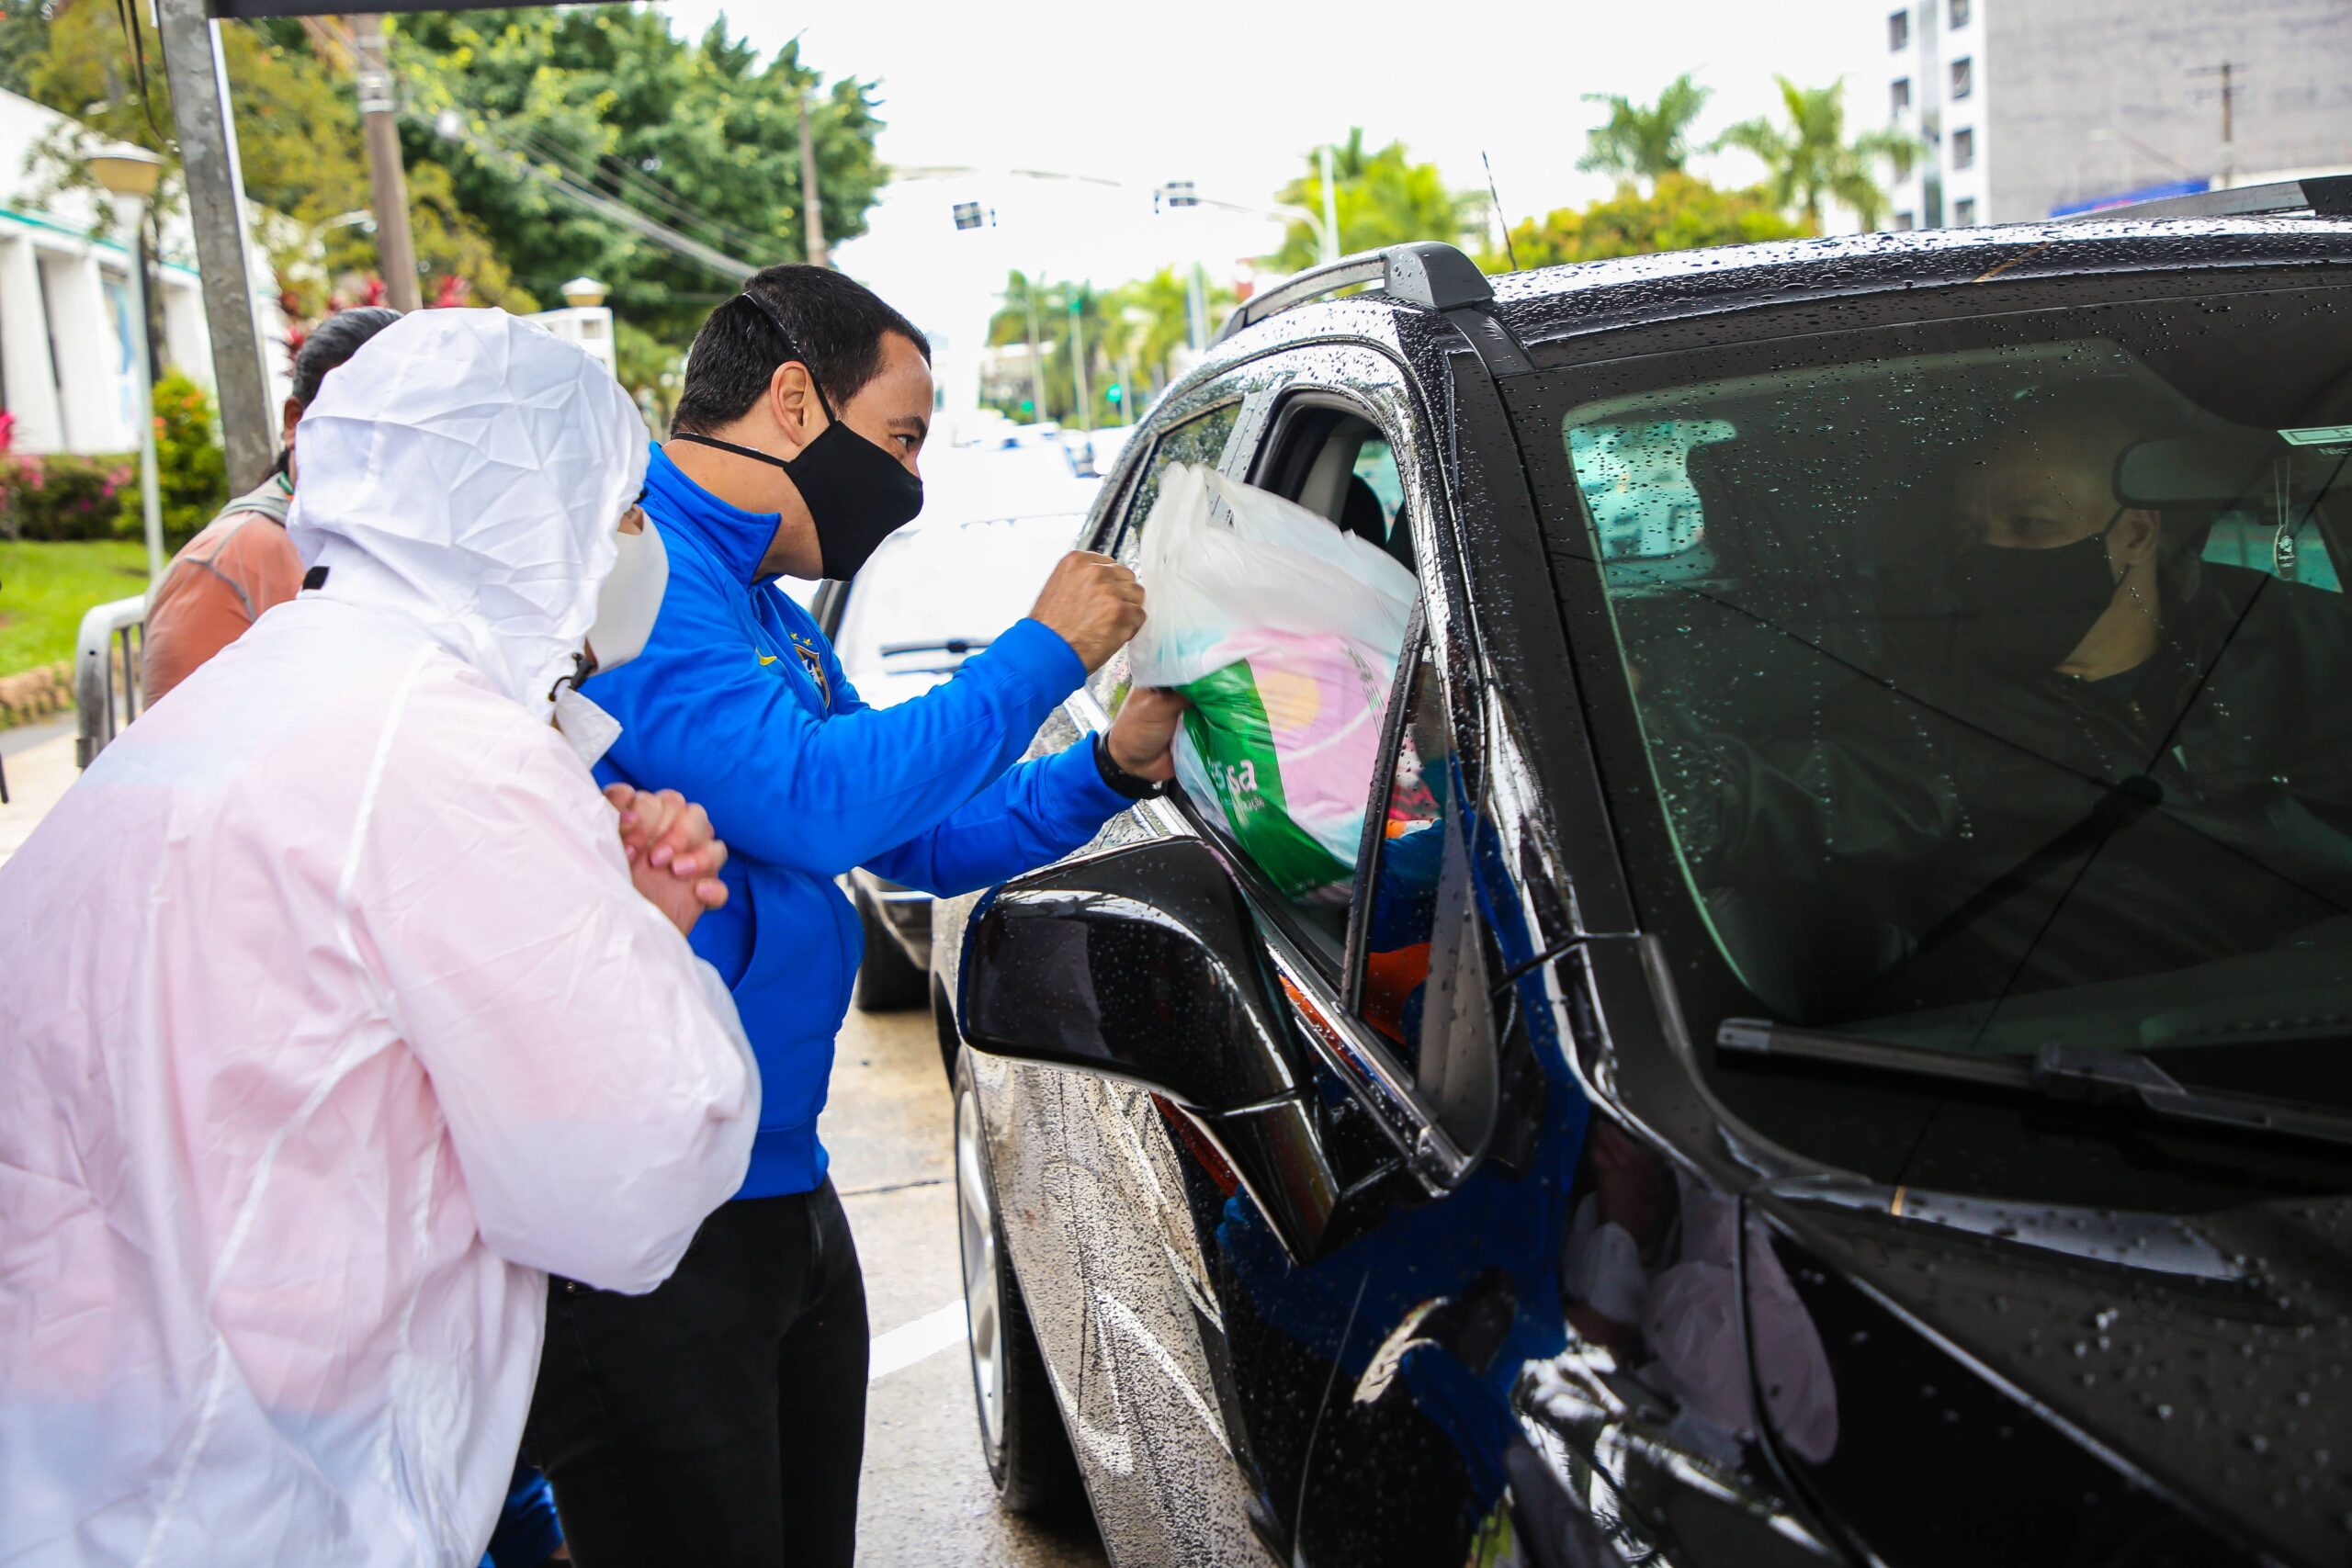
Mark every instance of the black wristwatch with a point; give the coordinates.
(1131, 786)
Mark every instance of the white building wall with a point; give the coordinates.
(66, 334)
(26, 371)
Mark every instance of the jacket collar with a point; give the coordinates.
(739, 537)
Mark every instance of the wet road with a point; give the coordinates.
(926, 1498)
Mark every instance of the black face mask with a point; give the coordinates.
(2021, 611)
(858, 494)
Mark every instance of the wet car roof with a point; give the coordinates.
(1549, 304)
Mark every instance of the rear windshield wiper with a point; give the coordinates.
(2081, 1073)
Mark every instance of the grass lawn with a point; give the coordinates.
(44, 588)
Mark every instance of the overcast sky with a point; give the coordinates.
(1231, 96)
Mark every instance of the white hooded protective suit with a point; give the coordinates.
(330, 1021)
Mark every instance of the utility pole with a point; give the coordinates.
(1036, 353)
(1196, 309)
(1078, 360)
(395, 250)
(1331, 207)
(812, 216)
(2227, 92)
(216, 210)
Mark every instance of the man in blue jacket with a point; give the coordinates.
(721, 1417)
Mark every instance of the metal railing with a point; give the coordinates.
(109, 629)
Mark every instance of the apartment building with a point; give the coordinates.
(2030, 109)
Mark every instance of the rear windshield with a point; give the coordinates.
(1994, 679)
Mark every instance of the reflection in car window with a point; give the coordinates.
(1996, 694)
(1402, 912)
(1200, 439)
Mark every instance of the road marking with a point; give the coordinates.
(911, 1342)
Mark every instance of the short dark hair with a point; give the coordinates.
(837, 324)
(331, 343)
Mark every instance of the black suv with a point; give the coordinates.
(1826, 1053)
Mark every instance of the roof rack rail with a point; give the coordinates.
(2328, 195)
(1428, 273)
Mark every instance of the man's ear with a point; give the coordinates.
(2136, 534)
(292, 414)
(792, 400)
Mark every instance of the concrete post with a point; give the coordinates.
(216, 202)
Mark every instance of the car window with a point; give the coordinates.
(1201, 439)
(1296, 804)
(1407, 850)
(1989, 675)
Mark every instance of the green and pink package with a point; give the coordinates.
(1284, 633)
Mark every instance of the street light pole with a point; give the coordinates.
(1078, 360)
(1331, 207)
(1036, 353)
(216, 210)
(395, 248)
(813, 216)
(129, 174)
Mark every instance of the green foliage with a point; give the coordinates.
(45, 589)
(697, 134)
(191, 469)
(1808, 161)
(299, 146)
(61, 495)
(24, 34)
(1381, 197)
(1681, 213)
(1133, 335)
(1642, 141)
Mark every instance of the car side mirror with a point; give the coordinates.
(1144, 964)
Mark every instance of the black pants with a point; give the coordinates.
(722, 1418)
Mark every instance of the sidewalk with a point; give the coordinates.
(39, 760)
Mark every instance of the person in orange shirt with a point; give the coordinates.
(241, 563)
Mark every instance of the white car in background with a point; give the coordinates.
(935, 592)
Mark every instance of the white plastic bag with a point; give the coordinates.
(1284, 633)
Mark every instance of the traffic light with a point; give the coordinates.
(1115, 393)
(1029, 407)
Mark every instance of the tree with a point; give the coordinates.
(299, 146)
(1643, 141)
(1681, 213)
(700, 136)
(1381, 198)
(1808, 162)
(24, 34)
(1134, 336)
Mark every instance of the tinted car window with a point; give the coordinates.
(1407, 855)
(1201, 439)
(1990, 676)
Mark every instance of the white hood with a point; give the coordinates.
(468, 470)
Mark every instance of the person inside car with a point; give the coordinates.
(241, 562)
(2015, 806)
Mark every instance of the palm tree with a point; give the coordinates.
(1808, 162)
(1642, 141)
(1383, 198)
